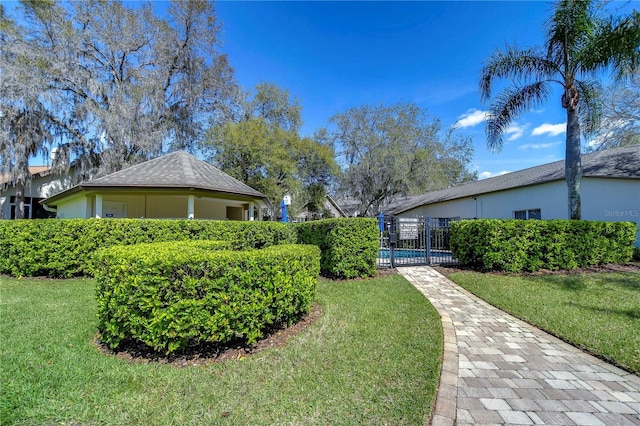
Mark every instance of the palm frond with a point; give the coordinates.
(568, 28)
(614, 44)
(526, 65)
(508, 105)
(590, 106)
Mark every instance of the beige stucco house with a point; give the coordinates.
(177, 185)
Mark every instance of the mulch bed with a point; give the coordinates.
(207, 354)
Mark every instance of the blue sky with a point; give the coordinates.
(336, 55)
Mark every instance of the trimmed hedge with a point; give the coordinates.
(175, 295)
(62, 247)
(519, 245)
(349, 246)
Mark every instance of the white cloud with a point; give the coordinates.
(485, 175)
(549, 129)
(538, 145)
(471, 118)
(516, 131)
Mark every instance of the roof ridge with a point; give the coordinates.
(187, 166)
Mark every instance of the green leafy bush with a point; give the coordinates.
(175, 295)
(636, 253)
(517, 245)
(349, 246)
(63, 247)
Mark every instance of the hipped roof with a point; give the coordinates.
(178, 170)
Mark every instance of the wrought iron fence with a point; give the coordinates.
(414, 241)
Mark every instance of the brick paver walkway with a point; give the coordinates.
(500, 370)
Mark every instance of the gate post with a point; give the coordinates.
(393, 240)
(427, 228)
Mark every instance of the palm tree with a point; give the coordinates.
(578, 45)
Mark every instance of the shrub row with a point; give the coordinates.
(63, 247)
(518, 245)
(175, 295)
(349, 246)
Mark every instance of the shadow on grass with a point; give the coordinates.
(571, 283)
(577, 282)
(629, 282)
(633, 313)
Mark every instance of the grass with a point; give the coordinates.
(599, 312)
(372, 358)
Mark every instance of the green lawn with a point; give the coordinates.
(599, 312)
(372, 358)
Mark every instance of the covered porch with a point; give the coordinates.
(162, 205)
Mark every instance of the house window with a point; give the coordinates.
(32, 208)
(527, 214)
(444, 222)
(27, 207)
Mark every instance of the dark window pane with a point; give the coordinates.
(535, 214)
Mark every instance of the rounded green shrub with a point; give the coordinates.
(349, 246)
(175, 295)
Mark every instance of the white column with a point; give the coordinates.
(98, 206)
(260, 213)
(251, 206)
(191, 206)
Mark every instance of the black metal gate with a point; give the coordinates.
(413, 241)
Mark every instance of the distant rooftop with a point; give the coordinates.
(33, 170)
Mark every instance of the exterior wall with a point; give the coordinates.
(612, 200)
(134, 204)
(166, 206)
(550, 198)
(210, 208)
(78, 207)
(604, 199)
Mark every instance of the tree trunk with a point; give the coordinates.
(19, 201)
(573, 163)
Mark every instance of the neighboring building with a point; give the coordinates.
(351, 206)
(348, 205)
(610, 191)
(177, 185)
(43, 184)
(330, 209)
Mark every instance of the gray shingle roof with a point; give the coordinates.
(178, 170)
(610, 163)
